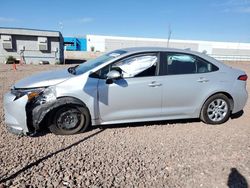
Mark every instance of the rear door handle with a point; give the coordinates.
(202, 80)
(154, 84)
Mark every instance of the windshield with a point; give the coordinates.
(88, 65)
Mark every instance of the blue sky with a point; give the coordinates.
(214, 20)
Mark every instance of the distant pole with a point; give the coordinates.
(169, 34)
(64, 48)
(61, 26)
(238, 56)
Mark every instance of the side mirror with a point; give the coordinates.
(113, 75)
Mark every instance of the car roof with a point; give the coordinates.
(162, 49)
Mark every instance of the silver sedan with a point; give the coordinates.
(127, 85)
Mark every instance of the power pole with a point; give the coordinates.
(169, 34)
(61, 26)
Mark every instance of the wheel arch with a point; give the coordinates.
(219, 92)
(41, 113)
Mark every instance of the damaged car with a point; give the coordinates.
(123, 86)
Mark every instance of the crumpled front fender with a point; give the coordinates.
(37, 112)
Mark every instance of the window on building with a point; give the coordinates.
(42, 43)
(7, 42)
(69, 44)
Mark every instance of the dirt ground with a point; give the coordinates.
(159, 154)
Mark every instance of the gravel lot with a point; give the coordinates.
(159, 154)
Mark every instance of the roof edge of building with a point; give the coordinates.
(29, 32)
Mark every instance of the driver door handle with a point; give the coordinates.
(202, 80)
(154, 84)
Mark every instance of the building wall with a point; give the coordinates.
(112, 44)
(81, 55)
(109, 43)
(78, 44)
(71, 44)
(31, 52)
(83, 44)
(219, 50)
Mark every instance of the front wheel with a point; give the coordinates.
(216, 110)
(69, 120)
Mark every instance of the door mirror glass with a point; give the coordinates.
(113, 75)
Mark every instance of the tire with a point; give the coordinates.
(70, 119)
(216, 110)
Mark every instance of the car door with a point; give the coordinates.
(134, 97)
(186, 82)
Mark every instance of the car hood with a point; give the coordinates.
(44, 79)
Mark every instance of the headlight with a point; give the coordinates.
(31, 93)
(48, 95)
(38, 95)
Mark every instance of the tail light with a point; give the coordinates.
(243, 77)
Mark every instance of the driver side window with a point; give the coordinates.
(135, 66)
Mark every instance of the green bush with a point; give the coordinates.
(10, 60)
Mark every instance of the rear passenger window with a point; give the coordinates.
(203, 66)
(187, 64)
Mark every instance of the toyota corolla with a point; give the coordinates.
(127, 85)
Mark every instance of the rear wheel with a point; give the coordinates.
(216, 109)
(69, 120)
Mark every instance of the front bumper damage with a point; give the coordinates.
(24, 114)
(15, 114)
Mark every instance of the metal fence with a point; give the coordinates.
(90, 55)
(236, 58)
